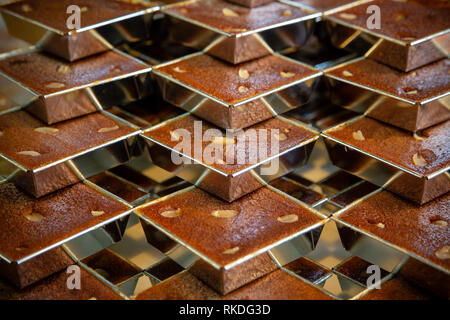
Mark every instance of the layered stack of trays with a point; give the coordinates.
(224, 149)
(401, 141)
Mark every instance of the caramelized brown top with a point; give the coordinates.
(424, 153)
(235, 83)
(30, 224)
(53, 13)
(404, 20)
(251, 223)
(46, 74)
(398, 289)
(238, 151)
(55, 288)
(423, 229)
(34, 144)
(233, 18)
(277, 285)
(421, 84)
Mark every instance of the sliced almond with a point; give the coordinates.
(179, 70)
(97, 213)
(93, 298)
(171, 213)
(346, 73)
(413, 74)
(380, 225)
(287, 74)
(358, 135)
(34, 217)
(84, 9)
(175, 136)
(103, 130)
(443, 253)
(46, 130)
(243, 74)
(286, 130)
(20, 249)
(220, 161)
(26, 8)
(280, 136)
(29, 153)
(418, 160)
(223, 140)
(441, 223)
(411, 92)
(290, 218)
(287, 13)
(224, 213)
(231, 251)
(229, 13)
(348, 16)
(242, 89)
(63, 69)
(55, 85)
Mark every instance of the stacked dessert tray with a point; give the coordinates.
(329, 139)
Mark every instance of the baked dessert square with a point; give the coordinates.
(420, 231)
(277, 285)
(244, 94)
(33, 226)
(58, 90)
(41, 151)
(412, 101)
(222, 160)
(235, 33)
(412, 33)
(29, 272)
(414, 165)
(102, 24)
(227, 234)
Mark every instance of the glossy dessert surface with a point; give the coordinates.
(419, 85)
(402, 20)
(226, 232)
(357, 269)
(234, 152)
(424, 153)
(236, 82)
(29, 224)
(233, 18)
(423, 230)
(33, 144)
(307, 269)
(46, 74)
(53, 13)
